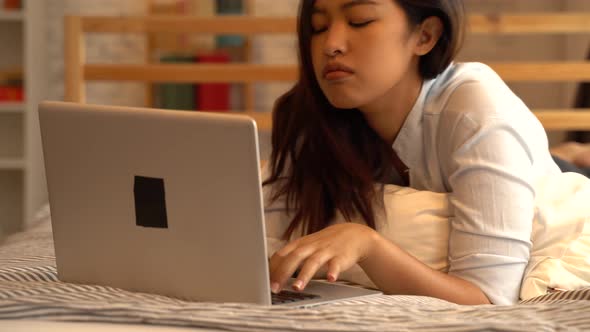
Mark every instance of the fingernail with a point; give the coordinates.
(274, 287)
(298, 284)
(331, 277)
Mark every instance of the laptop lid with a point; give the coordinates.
(156, 201)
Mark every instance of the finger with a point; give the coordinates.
(289, 247)
(282, 253)
(279, 255)
(310, 267)
(300, 242)
(285, 267)
(334, 268)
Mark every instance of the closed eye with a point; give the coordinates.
(318, 31)
(352, 24)
(361, 24)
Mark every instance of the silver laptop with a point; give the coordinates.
(165, 202)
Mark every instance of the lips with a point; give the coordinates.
(336, 71)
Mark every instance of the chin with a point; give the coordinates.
(343, 101)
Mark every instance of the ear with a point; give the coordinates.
(429, 33)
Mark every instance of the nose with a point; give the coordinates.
(336, 41)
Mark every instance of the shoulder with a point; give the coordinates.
(469, 86)
(472, 107)
(474, 94)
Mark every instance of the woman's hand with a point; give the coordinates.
(337, 247)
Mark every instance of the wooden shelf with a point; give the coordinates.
(11, 15)
(22, 178)
(12, 164)
(11, 107)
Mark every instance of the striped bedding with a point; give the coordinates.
(29, 289)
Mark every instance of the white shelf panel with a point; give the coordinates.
(12, 164)
(6, 107)
(11, 15)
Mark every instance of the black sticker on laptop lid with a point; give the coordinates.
(150, 202)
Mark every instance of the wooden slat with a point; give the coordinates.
(552, 119)
(543, 71)
(247, 73)
(263, 119)
(74, 58)
(190, 24)
(240, 73)
(567, 119)
(541, 23)
(191, 73)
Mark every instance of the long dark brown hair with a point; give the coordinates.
(325, 159)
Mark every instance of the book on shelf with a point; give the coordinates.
(12, 4)
(11, 86)
(178, 96)
(13, 94)
(213, 96)
(186, 96)
(229, 7)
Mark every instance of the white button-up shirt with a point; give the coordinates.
(470, 136)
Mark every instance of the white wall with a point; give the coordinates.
(273, 49)
(99, 48)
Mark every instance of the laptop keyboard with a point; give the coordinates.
(288, 297)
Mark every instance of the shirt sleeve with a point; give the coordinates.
(489, 171)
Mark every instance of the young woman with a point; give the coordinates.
(378, 101)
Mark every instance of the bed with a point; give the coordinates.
(32, 297)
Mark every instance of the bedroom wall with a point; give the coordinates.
(282, 50)
(273, 49)
(103, 48)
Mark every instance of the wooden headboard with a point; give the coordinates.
(78, 72)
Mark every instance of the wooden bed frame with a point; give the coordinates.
(78, 72)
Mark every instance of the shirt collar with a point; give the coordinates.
(409, 141)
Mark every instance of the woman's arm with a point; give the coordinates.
(491, 149)
(394, 271)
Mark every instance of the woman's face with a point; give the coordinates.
(360, 49)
